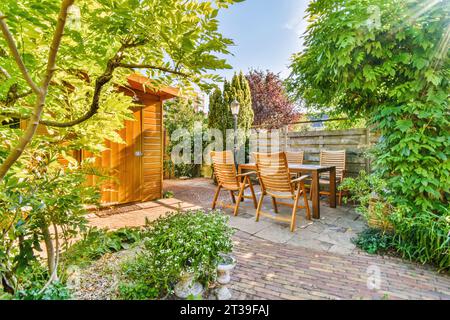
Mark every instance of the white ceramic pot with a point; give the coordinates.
(187, 286)
(224, 276)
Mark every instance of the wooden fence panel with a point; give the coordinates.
(354, 141)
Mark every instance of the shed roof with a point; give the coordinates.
(139, 82)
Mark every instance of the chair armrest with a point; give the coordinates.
(246, 174)
(299, 179)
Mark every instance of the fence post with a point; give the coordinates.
(367, 160)
(321, 142)
(286, 137)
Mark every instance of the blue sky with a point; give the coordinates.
(266, 34)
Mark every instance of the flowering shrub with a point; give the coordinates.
(176, 243)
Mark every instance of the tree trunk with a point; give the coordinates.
(51, 254)
(6, 280)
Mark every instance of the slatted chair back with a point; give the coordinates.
(273, 172)
(295, 157)
(225, 169)
(334, 158)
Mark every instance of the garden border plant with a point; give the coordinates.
(179, 242)
(389, 60)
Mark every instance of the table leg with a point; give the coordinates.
(333, 187)
(316, 195)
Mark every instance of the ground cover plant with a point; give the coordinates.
(180, 242)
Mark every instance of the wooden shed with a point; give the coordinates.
(137, 166)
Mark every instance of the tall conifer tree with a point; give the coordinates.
(220, 116)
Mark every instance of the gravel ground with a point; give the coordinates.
(99, 281)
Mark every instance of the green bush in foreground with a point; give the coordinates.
(34, 285)
(176, 243)
(423, 237)
(374, 241)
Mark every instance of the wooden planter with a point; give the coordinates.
(377, 220)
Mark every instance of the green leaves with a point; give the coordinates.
(397, 74)
(179, 242)
(220, 116)
(404, 125)
(433, 77)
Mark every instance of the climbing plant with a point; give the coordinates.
(388, 60)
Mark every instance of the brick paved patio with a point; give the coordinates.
(318, 261)
(268, 270)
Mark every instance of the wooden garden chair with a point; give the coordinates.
(332, 158)
(228, 179)
(275, 179)
(295, 157)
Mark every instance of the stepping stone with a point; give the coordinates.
(276, 233)
(248, 225)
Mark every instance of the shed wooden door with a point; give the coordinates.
(130, 161)
(124, 164)
(152, 132)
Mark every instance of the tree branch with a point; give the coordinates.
(16, 55)
(13, 95)
(148, 66)
(101, 81)
(56, 42)
(40, 92)
(5, 73)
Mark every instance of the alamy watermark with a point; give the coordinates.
(196, 147)
(373, 277)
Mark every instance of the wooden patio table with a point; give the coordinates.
(315, 172)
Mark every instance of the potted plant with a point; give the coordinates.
(226, 264)
(188, 286)
(369, 191)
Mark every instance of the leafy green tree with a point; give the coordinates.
(64, 81)
(389, 60)
(60, 65)
(180, 113)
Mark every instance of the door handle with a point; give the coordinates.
(138, 153)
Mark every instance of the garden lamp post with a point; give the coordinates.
(235, 112)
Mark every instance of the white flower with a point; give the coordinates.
(26, 208)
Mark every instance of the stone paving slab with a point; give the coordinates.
(248, 225)
(333, 231)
